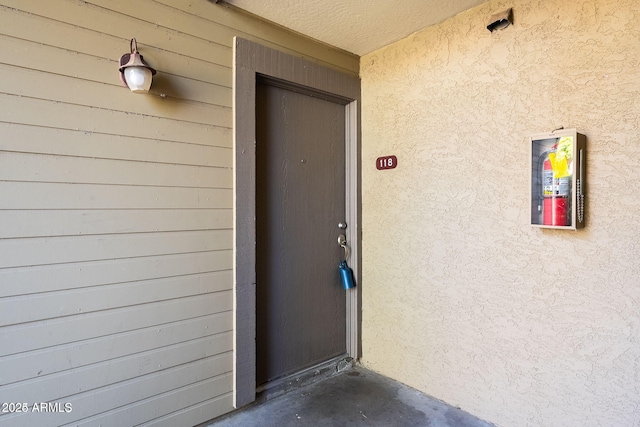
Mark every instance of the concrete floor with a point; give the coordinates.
(356, 397)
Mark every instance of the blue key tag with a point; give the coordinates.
(346, 274)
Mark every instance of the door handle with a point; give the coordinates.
(342, 242)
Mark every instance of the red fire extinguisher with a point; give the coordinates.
(556, 192)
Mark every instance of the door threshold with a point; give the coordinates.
(303, 378)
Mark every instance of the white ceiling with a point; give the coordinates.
(357, 26)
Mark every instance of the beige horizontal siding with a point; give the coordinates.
(198, 85)
(94, 376)
(65, 169)
(37, 140)
(49, 333)
(190, 416)
(51, 305)
(15, 108)
(39, 195)
(97, 19)
(24, 366)
(64, 42)
(167, 402)
(39, 223)
(55, 250)
(172, 372)
(74, 91)
(116, 239)
(48, 278)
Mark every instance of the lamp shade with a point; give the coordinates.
(134, 72)
(138, 79)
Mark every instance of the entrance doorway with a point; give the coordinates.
(300, 200)
(295, 181)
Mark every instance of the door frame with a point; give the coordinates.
(250, 61)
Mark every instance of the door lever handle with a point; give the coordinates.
(342, 241)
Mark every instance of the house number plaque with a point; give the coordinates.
(386, 162)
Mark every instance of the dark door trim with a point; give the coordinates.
(250, 61)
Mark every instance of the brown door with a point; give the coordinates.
(300, 199)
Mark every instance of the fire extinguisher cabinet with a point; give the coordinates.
(557, 179)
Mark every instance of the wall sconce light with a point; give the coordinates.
(501, 20)
(134, 72)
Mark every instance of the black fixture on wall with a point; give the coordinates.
(501, 20)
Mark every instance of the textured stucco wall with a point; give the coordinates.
(462, 298)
